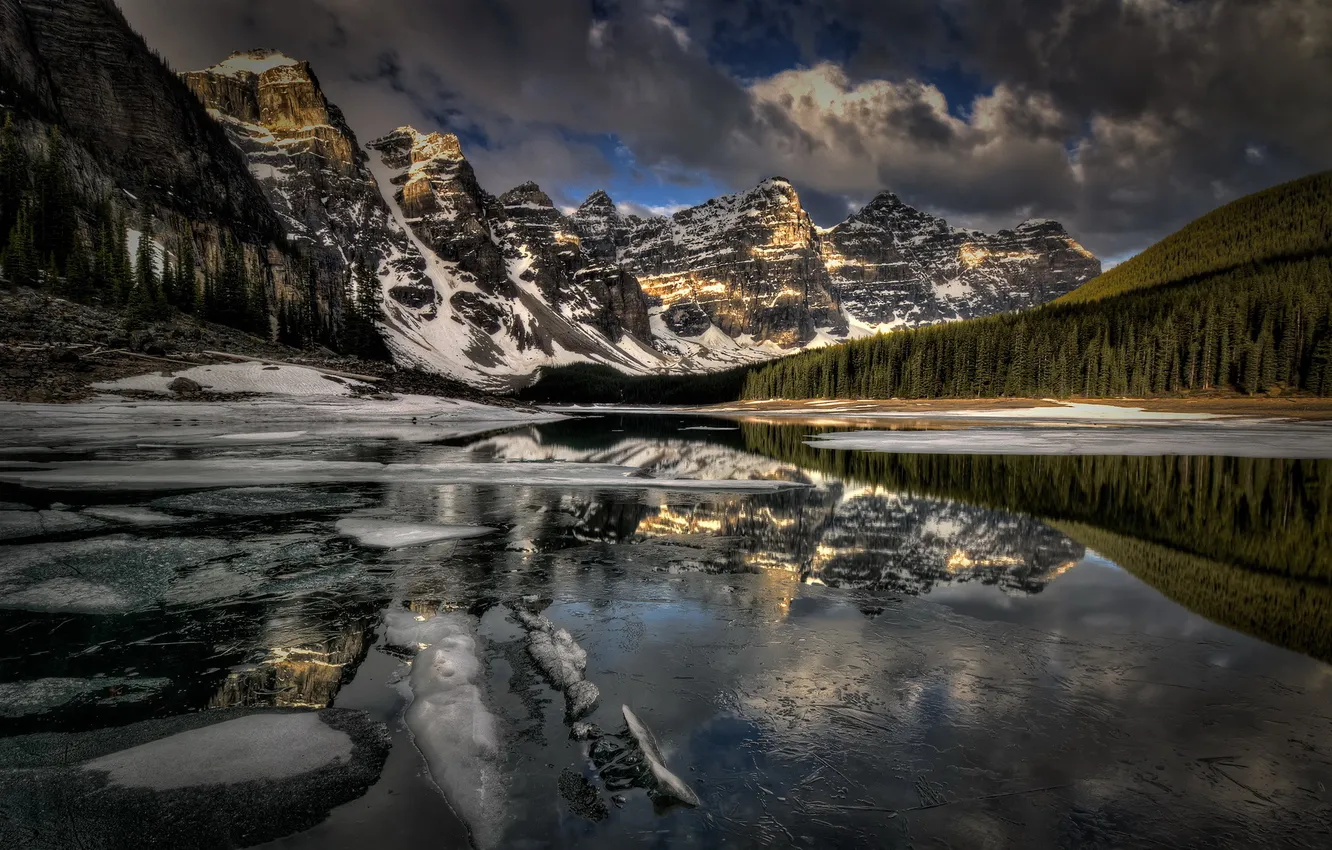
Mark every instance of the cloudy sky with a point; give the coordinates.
(1122, 118)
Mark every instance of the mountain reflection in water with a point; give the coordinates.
(1004, 640)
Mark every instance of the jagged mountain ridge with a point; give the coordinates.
(748, 263)
(895, 266)
(493, 288)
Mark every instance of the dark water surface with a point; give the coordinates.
(902, 651)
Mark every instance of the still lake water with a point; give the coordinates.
(895, 651)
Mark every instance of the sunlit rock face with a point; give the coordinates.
(311, 168)
(749, 262)
(895, 266)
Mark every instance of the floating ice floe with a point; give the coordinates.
(35, 696)
(258, 472)
(1276, 440)
(17, 524)
(384, 534)
(259, 501)
(228, 777)
(130, 515)
(562, 660)
(668, 784)
(102, 575)
(448, 718)
(247, 749)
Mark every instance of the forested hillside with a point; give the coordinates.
(1247, 312)
(1287, 221)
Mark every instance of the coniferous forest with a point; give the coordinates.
(1240, 300)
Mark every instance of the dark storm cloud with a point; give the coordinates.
(1124, 118)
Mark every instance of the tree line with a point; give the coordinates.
(1251, 330)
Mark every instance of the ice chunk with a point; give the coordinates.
(559, 655)
(580, 698)
(385, 534)
(562, 660)
(449, 720)
(15, 525)
(131, 515)
(258, 747)
(668, 784)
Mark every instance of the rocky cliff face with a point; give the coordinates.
(137, 144)
(516, 289)
(747, 263)
(313, 172)
(895, 266)
(78, 65)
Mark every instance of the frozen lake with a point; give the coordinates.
(256, 631)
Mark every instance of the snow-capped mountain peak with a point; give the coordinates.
(493, 288)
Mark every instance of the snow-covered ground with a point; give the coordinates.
(288, 404)
(252, 377)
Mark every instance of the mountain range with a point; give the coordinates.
(250, 157)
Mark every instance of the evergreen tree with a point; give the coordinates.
(53, 204)
(13, 179)
(20, 257)
(145, 267)
(78, 284)
(184, 292)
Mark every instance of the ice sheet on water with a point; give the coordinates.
(385, 534)
(449, 720)
(261, 472)
(258, 747)
(210, 583)
(18, 524)
(110, 421)
(668, 784)
(111, 574)
(131, 515)
(259, 501)
(35, 696)
(1277, 440)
